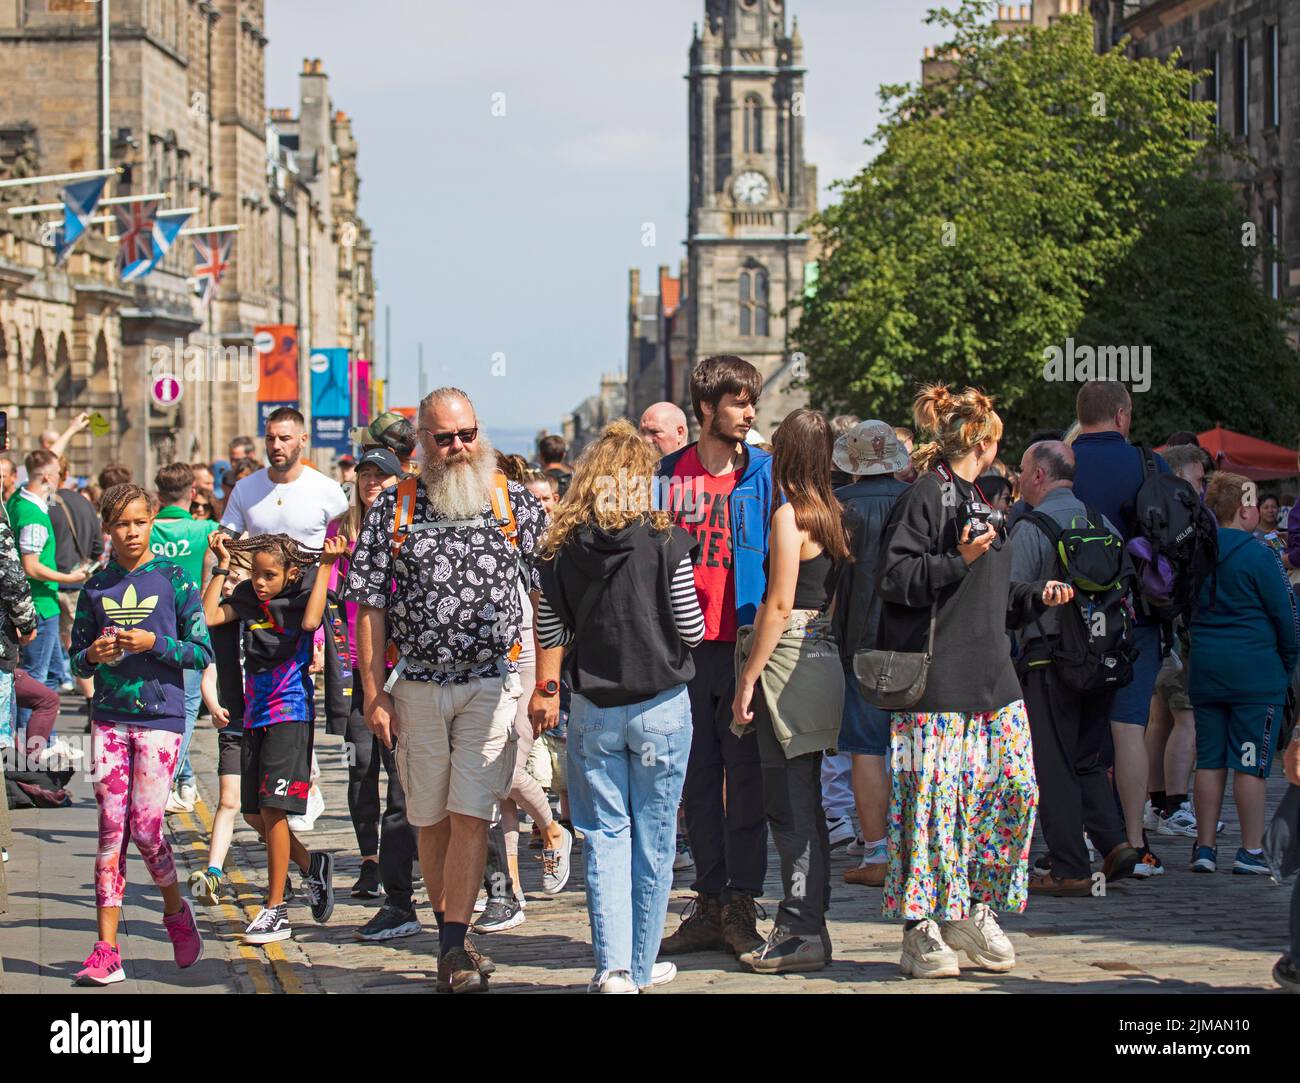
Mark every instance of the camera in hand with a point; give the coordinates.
(981, 517)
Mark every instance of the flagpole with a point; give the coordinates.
(105, 138)
(50, 178)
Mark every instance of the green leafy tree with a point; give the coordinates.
(1044, 192)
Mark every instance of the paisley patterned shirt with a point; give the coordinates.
(17, 614)
(450, 597)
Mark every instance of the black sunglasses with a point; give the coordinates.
(444, 439)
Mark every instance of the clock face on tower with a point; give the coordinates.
(750, 188)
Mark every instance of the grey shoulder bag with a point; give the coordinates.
(895, 680)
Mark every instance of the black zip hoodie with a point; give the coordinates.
(972, 669)
(626, 647)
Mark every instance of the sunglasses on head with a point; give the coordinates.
(444, 439)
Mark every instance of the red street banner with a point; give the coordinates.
(277, 345)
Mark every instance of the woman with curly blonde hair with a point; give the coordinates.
(618, 588)
(963, 791)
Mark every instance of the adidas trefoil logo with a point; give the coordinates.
(129, 611)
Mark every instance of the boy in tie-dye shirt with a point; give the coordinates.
(280, 606)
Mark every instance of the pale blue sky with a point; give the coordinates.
(513, 235)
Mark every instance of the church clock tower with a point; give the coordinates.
(750, 193)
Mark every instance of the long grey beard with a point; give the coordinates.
(460, 490)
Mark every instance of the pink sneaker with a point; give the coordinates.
(187, 944)
(104, 967)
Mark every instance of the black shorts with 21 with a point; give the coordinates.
(276, 762)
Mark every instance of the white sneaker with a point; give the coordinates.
(307, 821)
(175, 803)
(1180, 822)
(926, 955)
(1150, 817)
(617, 981)
(857, 847)
(662, 973)
(841, 831)
(983, 941)
(60, 756)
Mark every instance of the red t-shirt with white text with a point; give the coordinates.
(702, 509)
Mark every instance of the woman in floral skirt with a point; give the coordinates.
(963, 792)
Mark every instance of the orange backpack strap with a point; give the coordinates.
(503, 510)
(403, 511)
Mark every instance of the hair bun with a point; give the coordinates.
(933, 403)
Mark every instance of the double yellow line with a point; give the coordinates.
(279, 976)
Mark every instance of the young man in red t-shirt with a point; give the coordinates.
(720, 491)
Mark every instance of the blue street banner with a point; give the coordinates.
(266, 409)
(331, 397)
(330, 432)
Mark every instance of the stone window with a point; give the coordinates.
(754, 302)
(753, 124)
(1241, 89)
(1272, 76)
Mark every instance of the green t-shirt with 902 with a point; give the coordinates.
(179, 537)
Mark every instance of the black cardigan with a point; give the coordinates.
(972, 669)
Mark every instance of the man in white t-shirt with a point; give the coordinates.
(286, 496)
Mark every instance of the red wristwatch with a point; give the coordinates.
(548, 688)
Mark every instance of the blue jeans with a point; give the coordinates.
(626, 769)
(193, 697)
(38, 659)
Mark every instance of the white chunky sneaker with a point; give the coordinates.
(980, 937)
(926, 955)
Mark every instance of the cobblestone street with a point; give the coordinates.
(1177, 933)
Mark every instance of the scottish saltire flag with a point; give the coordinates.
(165, 231)
(79, 203)
(135, 242)
(211, 258)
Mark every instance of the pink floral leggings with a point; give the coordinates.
(133, 776)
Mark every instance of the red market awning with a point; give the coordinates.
(1253, 458)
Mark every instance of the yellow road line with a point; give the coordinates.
(281, 967)
(255, 965)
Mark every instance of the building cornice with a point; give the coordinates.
(742, 69)
(1161, 13)
(768, 238)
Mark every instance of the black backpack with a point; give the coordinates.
(1177, 526)
(1094, 652)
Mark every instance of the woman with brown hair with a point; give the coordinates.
(790, 689)
(619, 589)
(963, 792)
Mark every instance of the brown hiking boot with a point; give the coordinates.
(700, 930)
(459, 973)
(740, 925)
(485, 965)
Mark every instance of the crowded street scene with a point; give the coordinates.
(913, 607)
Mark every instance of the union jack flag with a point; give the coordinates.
(135, 248)
(211, 258)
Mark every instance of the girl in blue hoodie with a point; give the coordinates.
(1245, 643)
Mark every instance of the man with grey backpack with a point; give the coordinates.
(1072, 661)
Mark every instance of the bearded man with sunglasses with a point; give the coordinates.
(436, 571)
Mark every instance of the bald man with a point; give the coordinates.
(1067, 726)
(663, 426)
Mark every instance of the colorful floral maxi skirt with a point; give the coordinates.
(961, 813)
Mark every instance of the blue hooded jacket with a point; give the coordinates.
(1245, 644)
(749, 513)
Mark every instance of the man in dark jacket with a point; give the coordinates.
(78, 542)
(871, 453)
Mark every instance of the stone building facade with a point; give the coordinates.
(1251, 52)
(750, 193)
(187, 116)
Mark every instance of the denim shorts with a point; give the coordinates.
(864, 729)
(1132, 704)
